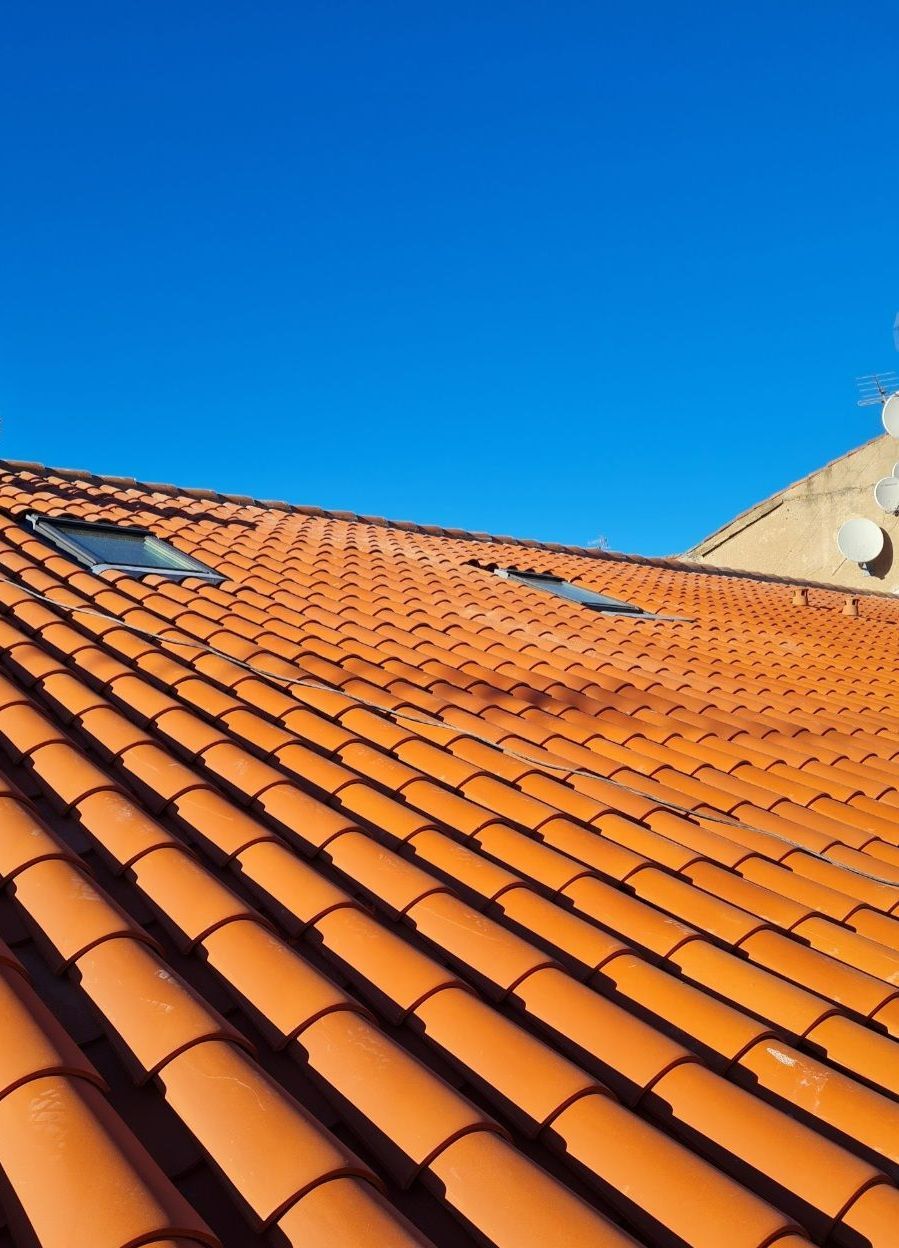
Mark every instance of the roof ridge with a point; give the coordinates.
(750, 511)
(673, 563)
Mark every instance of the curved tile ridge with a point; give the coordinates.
(535, 909)
(74, 1170)
(730, 1198)
(166, 1032)
(237, 1114)
(866, 819)
(143, 864)
(384, 1075)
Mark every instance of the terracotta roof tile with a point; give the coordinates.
(102, 1188)
(575, 928)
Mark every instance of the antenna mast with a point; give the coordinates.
(876, 388)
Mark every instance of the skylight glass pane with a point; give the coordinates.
(135, 549)
(575, 593)
(102, 546)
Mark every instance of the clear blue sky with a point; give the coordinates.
(555, 269)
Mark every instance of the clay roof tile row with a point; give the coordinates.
(415, 906)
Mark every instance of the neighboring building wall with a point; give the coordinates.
(794, 532)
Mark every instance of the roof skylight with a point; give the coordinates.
(574, 593)
(105, 546)
(579, 594)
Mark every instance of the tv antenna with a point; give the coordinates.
(876, 388)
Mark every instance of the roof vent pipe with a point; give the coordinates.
(850, 607)
(800, 596)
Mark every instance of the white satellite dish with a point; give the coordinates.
(886, 493)
(890, 415)
(860, 540)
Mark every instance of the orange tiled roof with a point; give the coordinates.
(370, 899)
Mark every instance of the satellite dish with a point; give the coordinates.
(890, 415)
(860, 540)
(886, 493)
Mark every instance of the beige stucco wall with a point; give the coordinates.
(794, 533)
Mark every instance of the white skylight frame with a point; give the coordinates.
(70, 534)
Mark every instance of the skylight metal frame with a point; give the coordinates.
(60, 532)
(570, 591)
(580, 595)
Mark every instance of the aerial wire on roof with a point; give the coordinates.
(429, 721)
